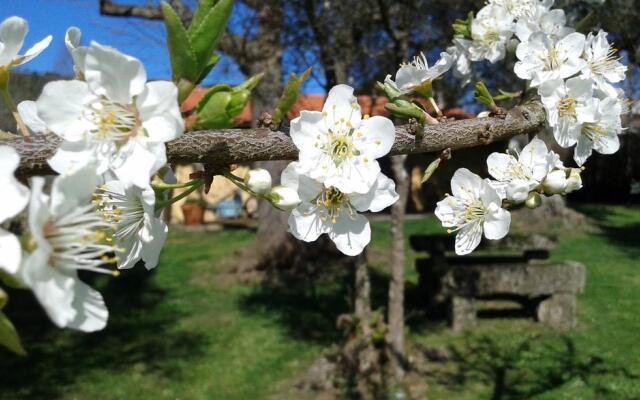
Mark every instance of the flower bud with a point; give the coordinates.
(285, 198)
(483, 114)
(533, 200)
(258, 180)
(555, 182)
(574, 181)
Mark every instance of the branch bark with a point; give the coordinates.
(238, 146)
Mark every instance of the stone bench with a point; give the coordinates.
(547, 291)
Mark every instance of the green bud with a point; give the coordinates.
(483, 96)
(533, 200)
(462, 27)
(431, 169)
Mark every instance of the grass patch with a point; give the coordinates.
(186, 330)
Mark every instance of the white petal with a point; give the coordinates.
(308, 133)
(71, 156)
(61, 106)
(153, 236)
(375, 136)
(14, 194)
(408, 77)
(308, 189)
(34, 51)
(305, 224)
(12, 33)
(112, 74)
(91, 312)
(468, 238)
(496, 224)
(382, 195)
(28, 111)
(572, 45)
(608, 144)
(447, 211)
(341, 105)
(583, 150)
(465, 184)
(354, 175)
(351, 234)
(73, 189)
(498, 164)
(53, 290)
(136, 163)
(131, 252)
(10, 252)
(160, 112)
(78, 53)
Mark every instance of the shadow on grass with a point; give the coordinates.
(534, 366)
(139, 334)
(616, 227)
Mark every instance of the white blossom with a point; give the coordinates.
(490, 31)
(604, 66)
(140, 232)
(13, 200)
(328, 210)
(600, 127)
(258, 180)
(562, 181)
(69, 235)
(77, 52)
(417, 74)
(115, 117)
(12, 33)
(473, 208)
(338, 147)
(539, 18)
(564, 103)
(517, 176)
(543, 59)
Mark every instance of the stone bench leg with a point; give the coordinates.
(558, 311)
(462, 313)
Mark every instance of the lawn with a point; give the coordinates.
(192, 330)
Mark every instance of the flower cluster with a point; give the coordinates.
(101, 210)
(337, 175)
(574, 76)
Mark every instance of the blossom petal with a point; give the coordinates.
(137, 163)
(375, 136)
(12, 33)
(91, 312)
(160, 112)
(112, 74)
(342, 107)
(583, 150)
(353, 176)
(465, 184)
(78, 53)
(34, 51)
(308, 133)
(153, 237)
(28, 111)
(73, 189)
(11, 252)
(305, 224)
(497, 222)
(468, 238)
(351, 234)
(14, 194)
(61, 106)
(382, 195)
(307, 188)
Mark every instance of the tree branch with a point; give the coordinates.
(108, 7)
(238, 146)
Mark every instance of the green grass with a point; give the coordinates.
(192, 330)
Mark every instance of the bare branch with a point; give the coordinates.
(108, 7)
(238, 146)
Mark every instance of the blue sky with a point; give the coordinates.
(141, 39)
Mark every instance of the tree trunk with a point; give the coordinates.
(396, 284)
(362, 301)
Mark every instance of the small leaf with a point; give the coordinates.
(183, 60)
(289, 96)
(201, 12)
(431, 169)
(462, 27)
(9, 337)
(238, 102)
(586, 23)
(483, 96)
(406, 109)
(212, 63)
(206, 36)
(250, 83)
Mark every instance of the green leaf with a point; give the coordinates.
(250, 83)
(431, 169)
(206, 36)
(9, 337)
(587, 23)
(289, 96)
(201, 12)
(183, 60)
(406, 109)
(238, 102)
(212, 63)
(483, 96)
(462, 27)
